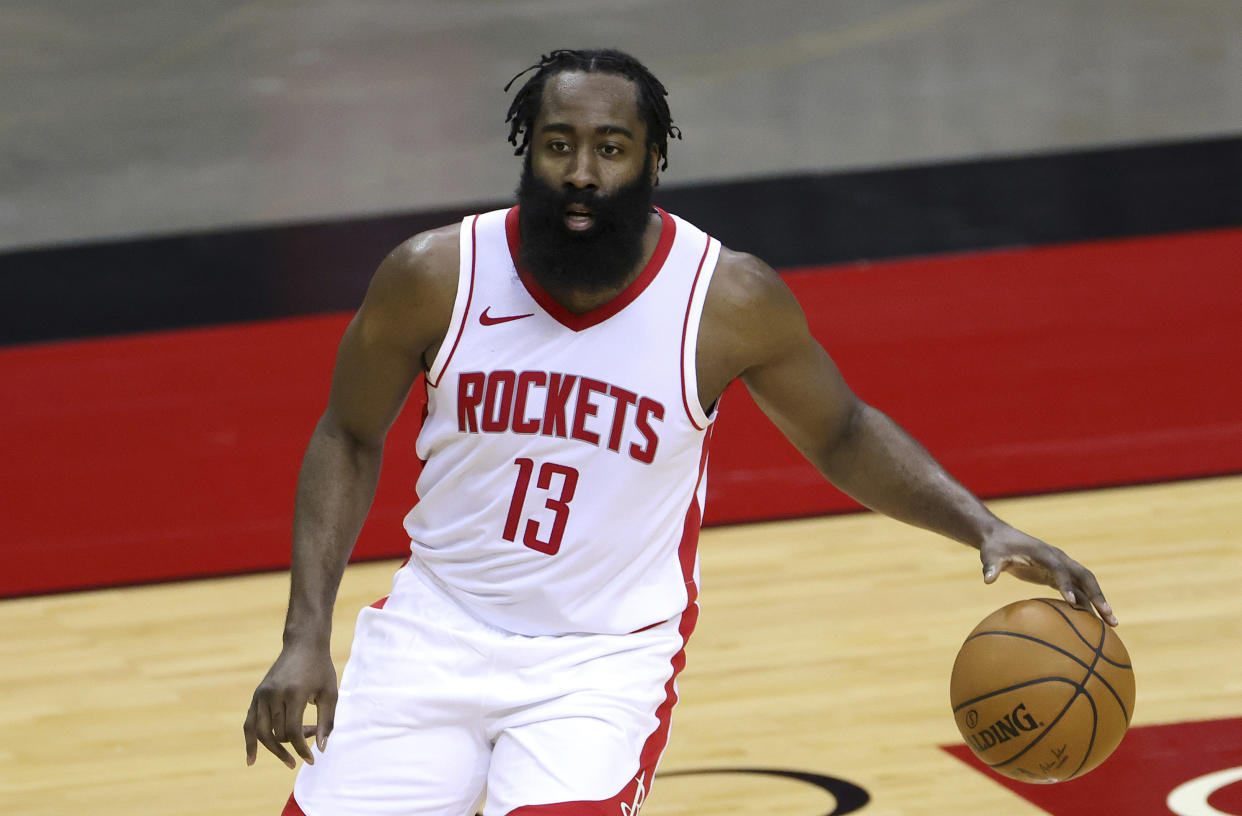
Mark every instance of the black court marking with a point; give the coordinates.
(849, 797)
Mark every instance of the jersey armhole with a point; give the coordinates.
(461, 302)
(699, 416)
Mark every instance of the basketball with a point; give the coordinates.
(1042, 692)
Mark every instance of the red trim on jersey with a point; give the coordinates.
(474, 257)
(630, 798)
(685, 330)
(380, 603)
(291, 808)
(578, 322)
(687, 553)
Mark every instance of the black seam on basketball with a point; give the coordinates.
(1090, 743)
(1095, 729)
(1095, 711)
(1042, 642)
(1052, 646)
(1060, 611)
(1077, 690)
(1055, 608)
(1014, 687)
(1099, 655)
(1079, 661)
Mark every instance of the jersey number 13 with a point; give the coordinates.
(557, 502)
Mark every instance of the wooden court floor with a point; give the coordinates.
(824, 646)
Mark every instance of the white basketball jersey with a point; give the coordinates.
(565, 455)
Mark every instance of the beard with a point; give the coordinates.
(599, 258)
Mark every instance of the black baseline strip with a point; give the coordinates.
(256, 273)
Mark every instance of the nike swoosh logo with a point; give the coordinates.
(488, 320)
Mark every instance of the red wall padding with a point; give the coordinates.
(175, 454)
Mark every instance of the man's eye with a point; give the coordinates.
(610, 150)
(558, 147)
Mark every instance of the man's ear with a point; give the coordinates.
(653, 154)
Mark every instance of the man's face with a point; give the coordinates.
(589, 136)
(586, 188)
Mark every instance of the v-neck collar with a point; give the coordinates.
(578, 322)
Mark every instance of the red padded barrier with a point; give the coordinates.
(174, 455)
(1025, 370)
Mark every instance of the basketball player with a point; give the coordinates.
(575, 349)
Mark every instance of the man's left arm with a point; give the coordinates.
(859, 449)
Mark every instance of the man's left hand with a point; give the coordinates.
(1032, 560)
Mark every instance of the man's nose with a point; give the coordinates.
(582, 173)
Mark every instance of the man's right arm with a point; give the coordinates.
(395, 335)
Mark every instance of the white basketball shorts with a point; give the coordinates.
(439, 710)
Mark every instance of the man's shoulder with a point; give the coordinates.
(748, 317)
(428, 251)
(418, 276)
(749, 298)
(438, 250)
(742, 280)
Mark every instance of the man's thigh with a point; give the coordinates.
(592, 742)
(386, 771)
(567, 767)
(407, 738)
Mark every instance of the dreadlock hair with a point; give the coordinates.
(651, 103)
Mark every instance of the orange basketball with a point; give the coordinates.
(1041, 691)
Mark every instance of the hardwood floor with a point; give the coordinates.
(824, 647)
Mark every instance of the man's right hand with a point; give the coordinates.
(298, 677)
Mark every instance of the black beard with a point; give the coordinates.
(600, 258)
